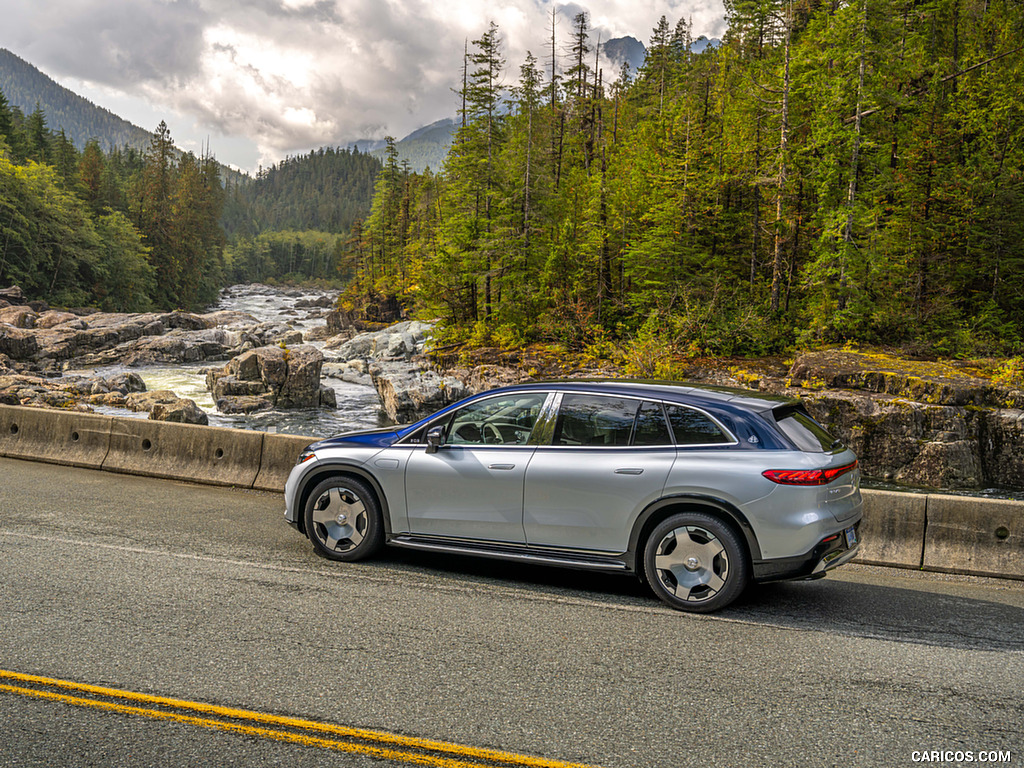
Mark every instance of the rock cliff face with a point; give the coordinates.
(927, 424)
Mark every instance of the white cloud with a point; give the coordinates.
(291, 75)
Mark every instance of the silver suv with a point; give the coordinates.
(695, 490)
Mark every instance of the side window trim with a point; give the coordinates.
(665, 421)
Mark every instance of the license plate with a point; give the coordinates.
(851, 537)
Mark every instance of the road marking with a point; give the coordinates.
(379, 744)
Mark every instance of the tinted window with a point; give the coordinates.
(496, 421)
(691, 427)
(595, 420)
(651, 427)
(805, 432)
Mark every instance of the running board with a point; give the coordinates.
(567, 560)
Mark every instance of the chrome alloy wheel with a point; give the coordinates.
(340, 519)
(691, 563)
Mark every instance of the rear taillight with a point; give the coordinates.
(807, 476)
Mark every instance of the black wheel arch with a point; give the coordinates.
(334, 469)
(670, 505)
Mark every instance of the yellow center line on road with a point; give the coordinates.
(379, 744)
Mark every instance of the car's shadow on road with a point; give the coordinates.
(925, 614)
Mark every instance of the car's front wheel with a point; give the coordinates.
(695, 562)
(343, 519)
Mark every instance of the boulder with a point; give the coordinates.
(164, 405)
(409, 395)
(55, 317)
(17, 343)
(243, 404)
(12, 295)
(401, 341)
(287, 378)
(320, 302)
(18, 317)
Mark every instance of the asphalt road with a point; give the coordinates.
(163, 590)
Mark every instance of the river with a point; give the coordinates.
(358, 406)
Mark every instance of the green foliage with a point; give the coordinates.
(1010, 373)
(69, 235)
(286, 255)
(125, 281)
(326, 190)
(850, 172)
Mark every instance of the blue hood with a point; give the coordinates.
(375, 438)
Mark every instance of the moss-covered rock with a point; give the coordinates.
(938, 383)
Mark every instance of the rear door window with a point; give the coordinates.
(595, 420)
(690, 427)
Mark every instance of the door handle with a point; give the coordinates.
(629, 471)
(501, 466)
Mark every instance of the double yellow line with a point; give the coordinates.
(379, 744)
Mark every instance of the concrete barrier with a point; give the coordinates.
(280, 453)
(984, 537)
(197, 454)
(957, 534)
(892, 531)
(58, 437)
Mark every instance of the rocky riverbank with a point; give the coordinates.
(39, 344)
(919, 423)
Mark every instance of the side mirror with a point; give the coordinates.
(435, 439)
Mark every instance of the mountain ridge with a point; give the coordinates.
(26, 86)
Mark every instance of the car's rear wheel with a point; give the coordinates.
(695, 562)
(343, 519)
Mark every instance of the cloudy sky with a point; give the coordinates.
(266, 78)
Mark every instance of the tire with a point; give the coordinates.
(343, 519)
(695, 562)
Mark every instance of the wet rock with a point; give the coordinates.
(244, 404)
(182, 411)
(328, 398)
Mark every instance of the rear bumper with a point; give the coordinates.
(814, 564)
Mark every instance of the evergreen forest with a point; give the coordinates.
(123, 230)
(832, 172)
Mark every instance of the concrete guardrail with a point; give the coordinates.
(932, 532)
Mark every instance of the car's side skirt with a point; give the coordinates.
(514, 552)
